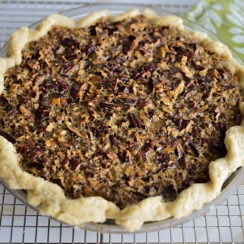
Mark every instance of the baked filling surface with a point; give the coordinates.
(123, 110)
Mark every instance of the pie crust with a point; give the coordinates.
(50, 198)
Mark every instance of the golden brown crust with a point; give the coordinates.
(49, 197)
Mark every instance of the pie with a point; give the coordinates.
(128, 117)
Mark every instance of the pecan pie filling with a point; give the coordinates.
(123, 110)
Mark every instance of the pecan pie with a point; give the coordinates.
(127, 117)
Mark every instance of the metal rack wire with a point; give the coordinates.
(21, 224)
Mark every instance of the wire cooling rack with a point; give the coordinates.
(21, 224)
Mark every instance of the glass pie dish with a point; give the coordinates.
(231, 183)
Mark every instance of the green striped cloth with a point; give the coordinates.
(223, 17)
